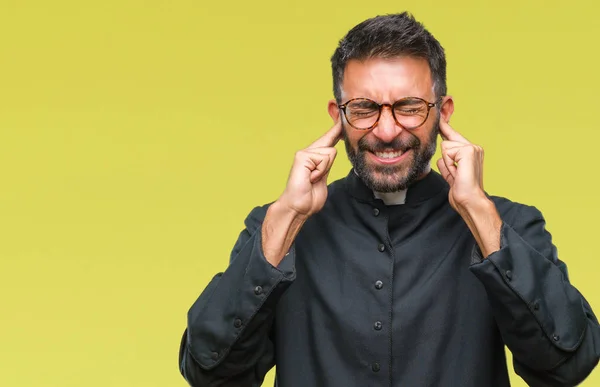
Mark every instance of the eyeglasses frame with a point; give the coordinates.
(430, 105)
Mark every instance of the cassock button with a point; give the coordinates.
(376, 211)
(214, 355)
(258, 290)
(536, 305)
(555, 337)
(381, 247)
(508, 275)
(378, 285)
(377, 326)
(237, 323)
(375, 367)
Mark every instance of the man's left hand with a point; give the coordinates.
(461, 165)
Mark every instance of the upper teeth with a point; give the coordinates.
(388, 155)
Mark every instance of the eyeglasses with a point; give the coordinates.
(364, 114)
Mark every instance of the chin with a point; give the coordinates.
(394, 177)
(386, 182)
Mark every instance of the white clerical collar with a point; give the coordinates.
(391, 198)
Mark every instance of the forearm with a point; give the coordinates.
(484, 222)
(279, 230)
(576, 366)
(540, 315)
(228, 326)
(547, 325)
(240, 359)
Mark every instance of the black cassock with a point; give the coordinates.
(398, 295)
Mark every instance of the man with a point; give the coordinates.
(395, 275)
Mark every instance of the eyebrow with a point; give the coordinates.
(363, 103)
(410, 99)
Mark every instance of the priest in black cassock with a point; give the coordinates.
(395, 275)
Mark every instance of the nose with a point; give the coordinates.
(387, 129)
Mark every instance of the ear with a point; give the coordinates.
(447, 108)
(333, 110)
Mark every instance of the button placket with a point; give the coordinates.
(378, 284)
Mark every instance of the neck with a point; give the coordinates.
(391, 198)
(399, 197)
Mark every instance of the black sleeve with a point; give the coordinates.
(544, 320)
(228, 340)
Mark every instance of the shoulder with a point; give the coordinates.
(526, 220)
(525, 223)
(515, 212)
(336, 188)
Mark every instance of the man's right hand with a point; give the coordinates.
(306, 189)
(304, 195)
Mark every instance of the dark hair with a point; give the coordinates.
(389, 36)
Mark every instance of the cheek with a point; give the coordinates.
(352, 137)
(425, 136)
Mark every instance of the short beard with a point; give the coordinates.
(392, 178)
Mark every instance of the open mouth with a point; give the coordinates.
(389, 157)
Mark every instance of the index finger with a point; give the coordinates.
(450, 134)
(330, 138)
